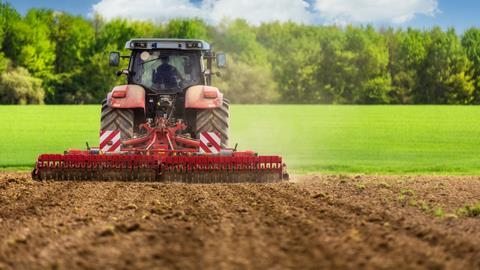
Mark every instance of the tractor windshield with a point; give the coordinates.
(166, 71)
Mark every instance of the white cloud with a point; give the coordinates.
(258, 11)
(366, 11)
(157, 10)
(254, 11)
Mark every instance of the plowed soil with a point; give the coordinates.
(313, 222)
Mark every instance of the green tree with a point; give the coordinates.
(248, 78)
(240, 40)
(17, 86)
(115, 32)
(407, 52)
(444, 76)
(74, 37)
(295, 60)
(186, 28)
(33, 39)
(243, 83)
(9, 17)
(368, 80)
(471, 44)
(90, 84)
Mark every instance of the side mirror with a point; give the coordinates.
(221, 60)
(114, 59)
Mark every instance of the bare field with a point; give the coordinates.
(314, 222)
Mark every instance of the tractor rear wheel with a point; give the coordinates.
(117, 119)
(214, 120)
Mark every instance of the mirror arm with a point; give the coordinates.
(121, 72)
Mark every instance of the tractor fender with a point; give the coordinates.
(127, 97)
(203, 97)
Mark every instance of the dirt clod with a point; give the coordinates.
(109, 230)
(131, 206)
(127, 228)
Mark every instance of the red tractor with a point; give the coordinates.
(167, 123)
(167, 78)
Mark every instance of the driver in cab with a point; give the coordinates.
(166, 75)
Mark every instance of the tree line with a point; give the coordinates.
(55, 57)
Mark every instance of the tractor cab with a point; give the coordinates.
(166, 79)
(168, 66)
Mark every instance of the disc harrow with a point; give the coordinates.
(135, 167)
(162, 155)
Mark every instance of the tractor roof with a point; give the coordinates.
(167, 43)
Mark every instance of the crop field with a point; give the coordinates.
(335, 139)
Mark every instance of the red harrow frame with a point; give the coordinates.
(162, 155)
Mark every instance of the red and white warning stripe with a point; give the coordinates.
(110, 141)
(210, 143)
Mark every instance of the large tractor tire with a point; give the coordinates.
(117, 119)
(214, 120)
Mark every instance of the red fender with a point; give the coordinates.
(203, 97)
(127, 97)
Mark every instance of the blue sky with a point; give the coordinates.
(460, 14)
(81, 7)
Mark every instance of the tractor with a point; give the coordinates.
(166, 124)
(169, 78)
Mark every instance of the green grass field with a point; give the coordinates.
(338, 139)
